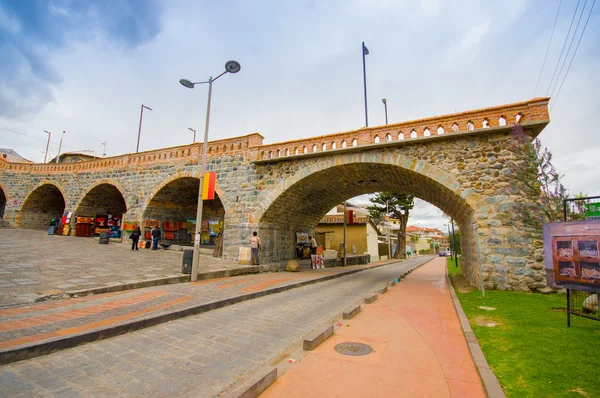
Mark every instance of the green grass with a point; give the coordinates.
(531, 350)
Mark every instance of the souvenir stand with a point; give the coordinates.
(84, 226)
(302, 245)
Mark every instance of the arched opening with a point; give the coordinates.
(2, 203)
(401, 135)
(440, 130)
(305, 150)
(455, 127)
(100, 210)
(343, 144)
(413, 134)
(324, 147)
(502, 121)
(426, 132)
(41, 206)
(388, 137)
(334, 145)
(470, 125)
(355, 142)
(174, 209)
(377, 140)
(315, 148)
(486, 123)
(294, 211)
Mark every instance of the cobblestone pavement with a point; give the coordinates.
(199, 356)
(33, 264)
(30, 326)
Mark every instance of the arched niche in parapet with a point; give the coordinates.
(344, 145)
(314, 148)
(3, 200)
(377, 140)
(502, 121)
(334, 145)
(455, 127)
(400, 136)
(413, 134)
(426, 132)
(175, 201)
(355, 142)
(105, 202)
(305, 150)
(388, 137)
(44, 203)
(440, 130)
(470, 125)
(519, 118)
(486, 123)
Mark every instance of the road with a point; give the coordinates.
(202, 356)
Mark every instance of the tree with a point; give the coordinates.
(538, 180)
(451, 236)
(398, 206)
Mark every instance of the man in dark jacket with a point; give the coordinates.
(155, 232)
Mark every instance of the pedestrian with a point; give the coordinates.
(135, 238)
(254, 248)
(313, 245)
(155, 232)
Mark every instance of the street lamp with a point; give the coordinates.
(385, 106)
(137, 149)
(230, 67)
(60, 146)
(191, 129)
(47, 144)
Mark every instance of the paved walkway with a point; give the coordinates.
(418, 343)
(40, 328)
(34, 264)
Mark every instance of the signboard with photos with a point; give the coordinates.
(572, 259)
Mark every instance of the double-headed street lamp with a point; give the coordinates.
(230, 67)
(47, 144)
(194, 130)
(137, 149)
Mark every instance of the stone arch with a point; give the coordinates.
(3, 200)
(45, 202)
(176, 199)
(104, 198)
(288, 207)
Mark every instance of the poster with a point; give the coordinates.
(571, 252)
(301, 237)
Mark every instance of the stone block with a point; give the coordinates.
(351, 312)
(292, 266)
(370, 298)
(501, 269)
(316, 338)
(516, 262)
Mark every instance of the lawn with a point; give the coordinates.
(530, 349)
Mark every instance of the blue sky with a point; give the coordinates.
(86, 67)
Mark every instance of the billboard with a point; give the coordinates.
(572, 259)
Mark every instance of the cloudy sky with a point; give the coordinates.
(87, 66)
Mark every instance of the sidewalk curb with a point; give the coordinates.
(492, 386)
(117, 287)
(255, 385)
(35, 350)
(315, 339)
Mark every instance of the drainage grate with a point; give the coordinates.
(353, 349)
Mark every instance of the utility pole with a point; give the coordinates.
(60, 146)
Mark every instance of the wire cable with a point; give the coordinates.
(569, 49)
(574, 53)
(563, 48)
(547, 49)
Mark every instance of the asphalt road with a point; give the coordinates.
(201, 356)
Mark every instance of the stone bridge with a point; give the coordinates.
(461, 163)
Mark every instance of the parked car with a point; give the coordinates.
(442, 254)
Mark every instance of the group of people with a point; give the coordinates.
(137, 233)
(255, 247)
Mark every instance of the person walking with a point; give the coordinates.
(135, 238)
(313, 245)
(155, 232)
(254, 248)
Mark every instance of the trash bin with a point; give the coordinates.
(104, 238)
(186, 262)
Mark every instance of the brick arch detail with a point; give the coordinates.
(104, 181)
(42, 183)
(447, 180)
(177, 176)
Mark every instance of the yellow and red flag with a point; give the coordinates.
(208, 188)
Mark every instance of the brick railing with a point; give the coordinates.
(520, 112)
(236, 145)
(535, 110)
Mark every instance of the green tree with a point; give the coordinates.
(398, 206)
(538, 180)
(451, 237)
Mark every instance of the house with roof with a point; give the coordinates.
(76, 156)
(361, 236)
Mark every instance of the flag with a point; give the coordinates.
(365, 50)
(349, 217)
(208, 187)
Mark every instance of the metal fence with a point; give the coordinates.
(582, 304)
(581, 209)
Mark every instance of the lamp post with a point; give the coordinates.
(191, 129)
(365, 51)
(47, 144)
(104, 152)
(385, 106)
(454, 249)
(230, 67)
(137, 149)
(60, 145)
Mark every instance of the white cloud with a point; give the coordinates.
(9, 22)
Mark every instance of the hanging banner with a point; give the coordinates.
(208, 188)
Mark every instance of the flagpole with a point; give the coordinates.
(364, 52)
